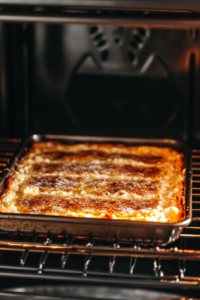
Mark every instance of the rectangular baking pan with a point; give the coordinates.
(138, 231)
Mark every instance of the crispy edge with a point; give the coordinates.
(10, 180)
(180, 197)
(40, 145)
(51, 145)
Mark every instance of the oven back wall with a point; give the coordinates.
(74, 79)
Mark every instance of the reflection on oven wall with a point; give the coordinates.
(74, 79)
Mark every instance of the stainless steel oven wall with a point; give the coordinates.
(77, 79)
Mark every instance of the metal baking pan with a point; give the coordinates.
(138, 231)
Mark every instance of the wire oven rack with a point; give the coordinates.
(86, 259)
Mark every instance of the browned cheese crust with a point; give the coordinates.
(98, 180)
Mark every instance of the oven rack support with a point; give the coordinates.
(86, 259)
(137, 5)
(103, 12)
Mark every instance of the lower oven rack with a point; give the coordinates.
(92, 260)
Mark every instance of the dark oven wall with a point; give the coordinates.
(74, 79)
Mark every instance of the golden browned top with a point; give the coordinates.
(104, 169)
(94, 154)
(98, 180)
(93, 187)
(49, 204)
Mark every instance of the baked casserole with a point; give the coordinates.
(112, 181)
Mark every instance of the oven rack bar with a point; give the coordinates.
(138, 5)
(102, 12)
(157, 21)
(86, 259)
(162, 253)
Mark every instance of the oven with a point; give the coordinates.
(121, 68)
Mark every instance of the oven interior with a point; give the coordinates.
(99, 80)
(115, 68)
